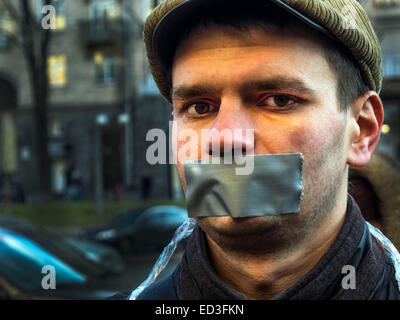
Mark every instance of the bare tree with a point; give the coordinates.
(33, 40)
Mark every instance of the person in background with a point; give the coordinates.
(376, 189)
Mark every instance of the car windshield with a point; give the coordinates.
(162, 218)
(22, 261)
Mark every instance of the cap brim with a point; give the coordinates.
(173, 22)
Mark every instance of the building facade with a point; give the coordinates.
(102, 101)
(385, 17)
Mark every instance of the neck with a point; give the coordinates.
(262, 277)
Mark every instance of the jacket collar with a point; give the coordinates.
(199, 280)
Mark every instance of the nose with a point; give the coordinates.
(232, 132)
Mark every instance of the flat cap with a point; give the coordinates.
(343, 20)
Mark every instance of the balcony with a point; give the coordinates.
(386, 3)
(386, 21)
(384, 14)
(99, 32)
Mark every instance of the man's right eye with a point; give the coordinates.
(199, 108)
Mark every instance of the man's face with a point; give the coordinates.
(280, 85)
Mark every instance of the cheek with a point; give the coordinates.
(318, 137)
(307, 140)
(322, 148)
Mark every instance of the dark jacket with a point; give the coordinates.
(383, 174)
(196, 279)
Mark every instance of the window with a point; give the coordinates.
(147, 86)
(105, 68)
(8, 143)
(57, 70)
(391, 66)
(60, 14)
(7, 26)
(106, 9)
(59, 176)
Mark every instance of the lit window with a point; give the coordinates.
(60, 22)
(57, 68)
(60, 14)
(104, 68)
(7, 26)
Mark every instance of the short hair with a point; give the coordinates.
(267, 16)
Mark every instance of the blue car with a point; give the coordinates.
(138, 230)
(30, 256)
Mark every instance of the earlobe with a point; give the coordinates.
(367, 120)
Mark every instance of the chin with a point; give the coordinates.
(249, 226)
(253, 235)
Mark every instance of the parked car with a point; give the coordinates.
(142, 229)
(82, 269)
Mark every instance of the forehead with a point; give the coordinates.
(250, 52)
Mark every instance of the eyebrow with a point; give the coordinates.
(277, 83)
(187, 92)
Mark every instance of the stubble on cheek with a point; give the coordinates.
(323, 170)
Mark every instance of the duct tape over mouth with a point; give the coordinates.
(274, 186)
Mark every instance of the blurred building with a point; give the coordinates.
(101, 91)
(385, 17)
(102, 104)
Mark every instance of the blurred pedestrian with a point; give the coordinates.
(376, 189)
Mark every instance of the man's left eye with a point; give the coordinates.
(278, 101)
(199, 108)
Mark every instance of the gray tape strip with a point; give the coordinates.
(274, 187)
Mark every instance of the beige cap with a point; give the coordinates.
(342, 20)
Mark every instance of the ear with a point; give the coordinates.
(367, 119)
